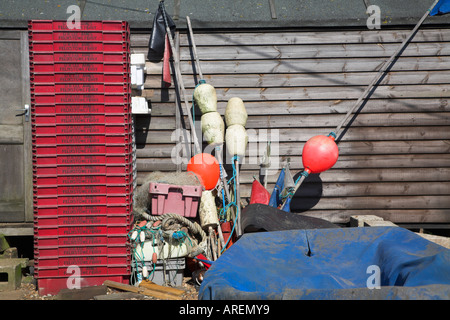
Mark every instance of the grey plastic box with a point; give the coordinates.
(173, 275)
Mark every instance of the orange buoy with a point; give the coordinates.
(319, 154)
(206, 168)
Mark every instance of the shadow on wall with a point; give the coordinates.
(308, 195)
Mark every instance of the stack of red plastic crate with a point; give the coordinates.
(82, 152)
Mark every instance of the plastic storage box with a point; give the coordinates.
(169, 274)
(180, 199)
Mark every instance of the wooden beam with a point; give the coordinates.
(345, 148)
(325, 122)
(324, 50)
(153, 286)
(141, 290)
(309, 66)
(438, 91)
(400, 175)
(11, 134)
(282, 38)
(416, 215)
(344, 162)
(27, 132)
(85, 293)
(312, 107)
(268, 80)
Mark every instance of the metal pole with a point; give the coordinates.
(194, 47)
(238, 200)
(180, 81)
(219, 154)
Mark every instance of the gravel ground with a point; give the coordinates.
(28, 291)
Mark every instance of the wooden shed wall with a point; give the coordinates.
(394, 158)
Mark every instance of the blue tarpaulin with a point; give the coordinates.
(338, 263)
(442, 7)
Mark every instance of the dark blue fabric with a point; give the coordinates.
(330, 264)
(442, 7)
(275, 199)
(287, 205)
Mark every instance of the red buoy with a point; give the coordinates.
(319, 154)
(259, 193)
(206, 168)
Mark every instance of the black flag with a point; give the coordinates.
(157, 39)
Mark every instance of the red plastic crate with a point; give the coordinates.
(55, 98)
(82, 190)
(60, 251)
(70, 57)
(80, 88)
(84, 78)
(122, 210)
(53, 128)
(57, 35)
(82, 108)
(61, 272)
(103, 67)
(44, 180)
(80, 230)
(87, 25)
(65, 119)
(48, 284)
(83, 200)
(87, 219)
(83, 170)
(103, 209)
(45, 150)
(83, 240)
(180, 199)
(53, 160)
(100, 46)
(81, 135)
(83, 139)
(82, 260)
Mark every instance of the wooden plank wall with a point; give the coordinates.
(394, 158)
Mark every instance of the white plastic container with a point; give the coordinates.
(171, 249)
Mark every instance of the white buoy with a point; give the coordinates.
(205, 98)
(145, 271)
(236, 139)
(235, 112)
(213, 128)
(207, 210)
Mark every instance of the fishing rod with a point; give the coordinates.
(180, 79)
(219, 154)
